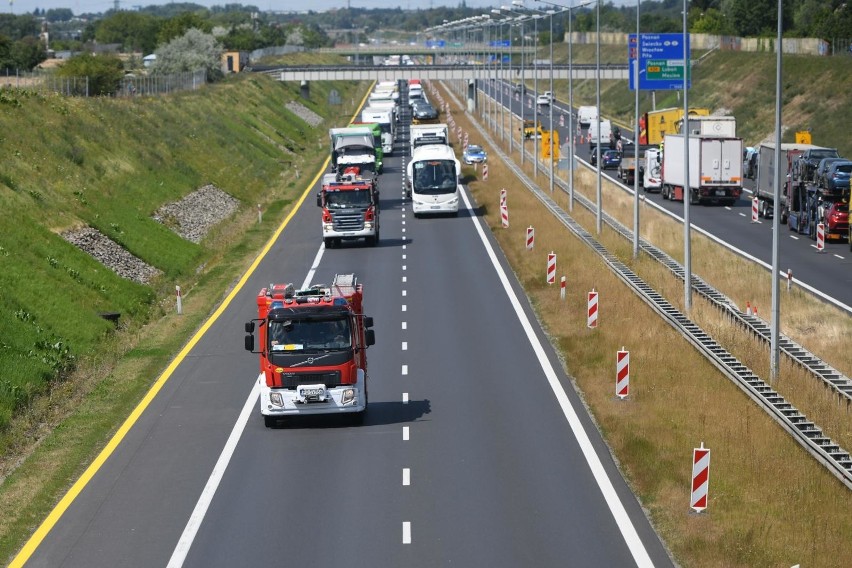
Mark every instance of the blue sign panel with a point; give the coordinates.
(436, 43)
(660, 61)
(501, 43)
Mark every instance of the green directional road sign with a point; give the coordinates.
(661, 69)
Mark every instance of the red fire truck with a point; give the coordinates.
(350, 209)
(313, 349)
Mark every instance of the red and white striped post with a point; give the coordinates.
(530, 237)
(484, 172)
(700, 478)
(529, 103)
(179, 300)
(562, 120)
(551, 268)
(622, 374)
(820, 237)
(592, 321)
(754, 210)
(504, 213)
(562, 288)
(502, 196)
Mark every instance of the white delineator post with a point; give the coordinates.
(551, 268)
(789, 278)
(700, 478)
(820, 234)
(592, 321)
(754, 211)
(530, 238)
(562, 288)
(179, 302)
(259, 215)
(622, 374)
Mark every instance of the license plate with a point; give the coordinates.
(312, 393)
(435, 207)
(832, 236)
(721, 192)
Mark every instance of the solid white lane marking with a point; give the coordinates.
(406, 433)
(404, 325)
(406, 476)
(405, 346)
(405, 369)
(406, 532)
(616, 507)
(203, 504)
(405, 399)
(182, 549)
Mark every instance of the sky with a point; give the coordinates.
(93, 6)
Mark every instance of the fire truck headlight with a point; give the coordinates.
(348, 396)
(327, 226)
(368, 225)
(276, 399)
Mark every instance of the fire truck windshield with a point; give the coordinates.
(434, 177)
(349, 199)
(312, 335)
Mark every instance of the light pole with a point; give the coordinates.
(636, 141)
(571, 134)
(499, 83)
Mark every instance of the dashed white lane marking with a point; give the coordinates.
(404, 325)
(404, 279)
(403, 215)
(405, 399)
(840, 257)
(405, 369)
(403, 222)
(742, 214)
(403, 229)
(406, 532)
(403, 247)
(405, 256)
(404, 293)
(406, 476)
(792, 237)
(406, 433)
(404, 267)
(405, 346)
(404, 308)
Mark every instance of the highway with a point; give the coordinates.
(829, 273)
(475, 451)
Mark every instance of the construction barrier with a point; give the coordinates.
(502, 196)
(622, 374)
(530, 238)
(820, 234)
(551, 268)
(700, 478)
(562, 288)
(504, 215)
(484, 172)
(561, 120)
(754, 211)
(592, 321)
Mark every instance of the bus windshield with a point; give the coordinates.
(434, 177)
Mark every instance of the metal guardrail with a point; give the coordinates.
(837, 460)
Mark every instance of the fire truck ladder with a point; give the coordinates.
(834, 458)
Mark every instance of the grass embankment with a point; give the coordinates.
(771, 504)
(110, 164)
(738, 83)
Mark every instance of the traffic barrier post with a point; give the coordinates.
(592, 310)
(484, 172)
(179, 301)
(820, 234)
(562, 288)
(622, 374)
(754, 210)
(700, 478)
(789, 278)
(551, 268)
(530, 237)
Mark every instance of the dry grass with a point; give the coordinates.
(770, 502)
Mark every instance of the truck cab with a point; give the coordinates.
(350, 209)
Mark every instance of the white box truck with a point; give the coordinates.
(715, 169)
(604, 135)
(384, 118)
(431, 133)
(712, 125)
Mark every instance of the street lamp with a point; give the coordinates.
(570, 10)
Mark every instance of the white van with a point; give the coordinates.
(586, 115)
(605, 133)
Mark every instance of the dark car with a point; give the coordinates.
(836, 177)
(823, 166)
(611, 158)
(422, 112)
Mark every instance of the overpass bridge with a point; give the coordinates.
(439, 72)
(449, 49)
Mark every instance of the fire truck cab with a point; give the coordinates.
(350, 209)
(313, 349)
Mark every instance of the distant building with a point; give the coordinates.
(149, 60)
(234, 61)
